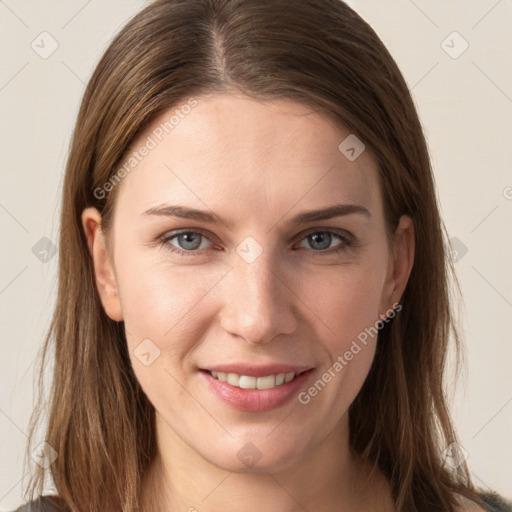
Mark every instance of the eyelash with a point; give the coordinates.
(346, 242)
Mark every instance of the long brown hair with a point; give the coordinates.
(316, 52)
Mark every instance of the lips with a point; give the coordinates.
(256, 388)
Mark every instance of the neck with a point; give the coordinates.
(329, 478)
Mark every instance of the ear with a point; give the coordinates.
(400, 264)
(103, 265)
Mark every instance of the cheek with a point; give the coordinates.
(161, 302)
(345, 300)
(347, 307)
(166, 314)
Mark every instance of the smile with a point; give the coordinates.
(250, 382)
(269, 389)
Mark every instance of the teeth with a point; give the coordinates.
(289, 376)
(267, 382)
(233, 379)
(248, 382)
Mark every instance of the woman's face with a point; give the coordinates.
(218, 262)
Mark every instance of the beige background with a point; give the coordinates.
(464, 99)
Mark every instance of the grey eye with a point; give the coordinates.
(189, 240)
(321, 240)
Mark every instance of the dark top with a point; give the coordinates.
(494, 502)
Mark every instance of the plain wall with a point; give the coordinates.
(464, 96)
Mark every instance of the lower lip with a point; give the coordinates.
(255, 400)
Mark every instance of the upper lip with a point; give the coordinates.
(253, 370)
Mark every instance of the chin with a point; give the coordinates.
(257, 456)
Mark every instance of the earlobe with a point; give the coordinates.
(103, 266)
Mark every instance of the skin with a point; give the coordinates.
(257, 164)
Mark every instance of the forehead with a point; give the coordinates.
(227, 151)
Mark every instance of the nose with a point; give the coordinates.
(257, 302)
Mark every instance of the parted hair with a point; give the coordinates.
(316, 52)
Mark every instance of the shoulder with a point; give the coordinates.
(493, 501)
(41, 504)
(496, 502)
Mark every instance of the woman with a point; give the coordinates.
(253, 307)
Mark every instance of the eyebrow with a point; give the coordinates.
(337, 210)
(210, 217)
(184, 212)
